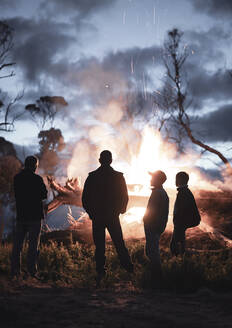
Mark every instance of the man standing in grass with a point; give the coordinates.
(30, 191)
(155, 221)
(186, 214)
(104, 198)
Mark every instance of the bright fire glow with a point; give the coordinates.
(154, 154)
(134, 214)
(148, 159)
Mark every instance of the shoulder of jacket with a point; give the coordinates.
(38, 177)
(118, 173)
(164, 192)
(93, 173)
(97, 171)
(187, 191)
(16, 176)
(19, 174)
(161, 193)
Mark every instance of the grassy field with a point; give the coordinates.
(73, 266)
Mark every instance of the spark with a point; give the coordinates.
(107, 86)
(193, 52)
(144, 87)
(132, 66)
(124, 17)
(157, 32)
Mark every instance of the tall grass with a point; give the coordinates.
(74, 266)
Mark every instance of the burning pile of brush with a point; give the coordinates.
(215, 205)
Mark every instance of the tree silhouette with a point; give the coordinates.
(6, 45)
(45, 109)
(51, 143)
(7, 116)
(9, 166)
(173, 103)
(6, 148)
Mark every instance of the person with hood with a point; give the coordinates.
(186, 214)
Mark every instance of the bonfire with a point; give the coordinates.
(153, 154)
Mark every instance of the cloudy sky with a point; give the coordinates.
(93, 51)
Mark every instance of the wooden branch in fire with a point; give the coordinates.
(69, 194)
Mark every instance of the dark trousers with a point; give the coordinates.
(177, 245)
(112, 224)
(22, 228)
(152, 250)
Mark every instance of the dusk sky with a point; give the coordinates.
(89, 51)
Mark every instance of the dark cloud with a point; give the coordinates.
(36, 45)
(216, 8)
(211, 174)
(214, 86)
(94, 82)
(207, 46)
(216, 126)
(6, 4)
(81, 8)
(134, 62)
(41, 40)
(114, 75)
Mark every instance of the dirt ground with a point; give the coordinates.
(40, 305)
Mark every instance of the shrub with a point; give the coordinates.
(74, 266)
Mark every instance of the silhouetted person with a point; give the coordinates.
(30, 191)
(155, 221)
(104, 198)
(186, 214)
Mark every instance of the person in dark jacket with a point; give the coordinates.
(30, 191)
(155, 221)
(186, 214)
(104, 198)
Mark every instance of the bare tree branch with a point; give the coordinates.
(172, 101)
(6, 45)
(69, 194)
(8, 117)
(9, 75)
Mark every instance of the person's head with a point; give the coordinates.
(105, 157)
(182, 179)
(158, 178)
(31, 163)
